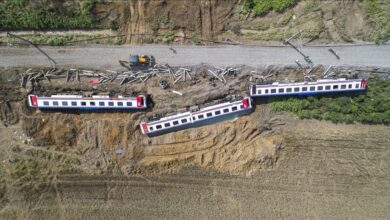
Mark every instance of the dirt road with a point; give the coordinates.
(108, 56)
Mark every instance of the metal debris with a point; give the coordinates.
(221, 72)
(176, 92)
(334, 53)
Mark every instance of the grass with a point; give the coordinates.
(262, 7)
(379, 14)
(30, 15)
(271, 35)
(310, 6)
(61, 40)
(195, 38)
(372, 107)
(37, 163)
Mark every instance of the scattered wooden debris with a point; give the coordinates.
(126, 77)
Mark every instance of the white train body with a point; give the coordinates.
(87, 103)
(204, 116)
(307, 88)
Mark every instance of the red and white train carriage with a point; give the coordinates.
(87, 103)
(203, 116)
(307, 88)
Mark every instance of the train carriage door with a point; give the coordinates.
(33, 101)
(364, 82)
(253, 89)
(144, 128)
(140, 101)
(245, 103)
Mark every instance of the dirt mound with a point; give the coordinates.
(237, 147)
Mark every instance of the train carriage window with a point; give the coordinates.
(273, 90)
(217, 112)
(101, 103)
(64, 103)
(83, 103)
(266, 91)
(304, 89)
(320, 88)
(74, 103)
(349, 86)
(226, 110)
(327, 87)
(184, 120)
(200, 116)
(289, 90)
(151, 128)
(335, 86)
(110, 103)
(158, 126)
(193, 118)
(92, 103)
(343, 86)
(281, 90)
(175, 122)
(167, 125)
(128, 103)
(45, 103)
(259, 91)
(241, 106)
(234, 108)
(55, 103)
(209, 114)
(296, 89)
(312, 88)
(120, 103)
(356, 86)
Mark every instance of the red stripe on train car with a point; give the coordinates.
(140, 101)
(145, 127)
(364, 83)
(34, 100)
(245, 103)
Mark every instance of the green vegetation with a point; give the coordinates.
(33, 15)
(379, 14)
(195, 38)
(310, 6)
(373, 107)
(39, 162)
(261, 7)
(61, 40)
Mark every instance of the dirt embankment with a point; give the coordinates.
(143, 20)
(319, 21)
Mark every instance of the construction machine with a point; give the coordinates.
(136, 60)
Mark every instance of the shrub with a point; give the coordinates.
(261, 7)
(25, 15)
(236, 29)
(113, 25)
(371, 107)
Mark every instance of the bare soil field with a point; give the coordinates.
(324, 171)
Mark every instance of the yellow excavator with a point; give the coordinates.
(136, 60)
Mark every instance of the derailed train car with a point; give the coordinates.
(203, 116)
(93, 103)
